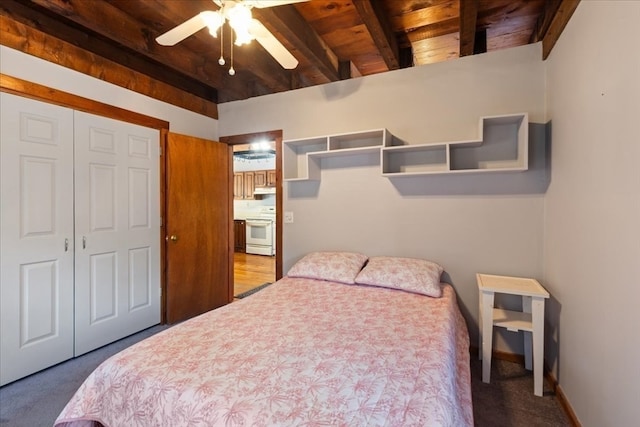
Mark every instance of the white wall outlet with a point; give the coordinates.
(288, 217)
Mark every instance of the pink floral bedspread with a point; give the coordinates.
(301, 352)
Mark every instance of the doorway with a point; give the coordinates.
(256, 209)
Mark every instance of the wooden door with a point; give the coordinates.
(117, 225)
(36, 236)
(198, 226)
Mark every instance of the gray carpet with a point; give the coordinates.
(507, 402)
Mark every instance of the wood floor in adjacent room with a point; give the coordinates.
(251, 271)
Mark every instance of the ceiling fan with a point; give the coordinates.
(246, 28)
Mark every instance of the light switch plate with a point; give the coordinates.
(288, 217)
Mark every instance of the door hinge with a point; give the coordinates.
(160, 150)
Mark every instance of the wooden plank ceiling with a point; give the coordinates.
(332, 39)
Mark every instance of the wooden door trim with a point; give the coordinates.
(50, 95)
(247, 138)
(27, 89)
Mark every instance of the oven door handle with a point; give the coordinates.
(257, 223)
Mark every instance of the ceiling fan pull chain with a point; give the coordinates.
(221, 61)
(232, 72)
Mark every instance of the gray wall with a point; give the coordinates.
(592, 213)
(489, 223)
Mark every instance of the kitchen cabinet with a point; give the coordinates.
(260, 178)
(238, 185)
(265, 178)
(244, 183)
(240, 235)
(249, 185)
(271, 178)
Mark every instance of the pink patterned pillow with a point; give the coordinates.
(340, 267)
(408, 274)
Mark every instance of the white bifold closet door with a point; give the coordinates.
(79, 233)
(117, 230)
(36, 236)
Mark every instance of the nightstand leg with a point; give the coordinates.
(480, 326)
(487, 335)
(528, 336)
(537, 313)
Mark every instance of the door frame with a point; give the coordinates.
(248, 138)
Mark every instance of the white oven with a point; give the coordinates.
(260, 236)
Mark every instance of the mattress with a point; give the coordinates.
(300, 352)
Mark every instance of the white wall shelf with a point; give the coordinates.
(502, 145)
(301, 157)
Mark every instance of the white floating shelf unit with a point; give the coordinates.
(502, 145)
(301, 157)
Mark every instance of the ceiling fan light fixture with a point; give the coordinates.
(237, 13)
(243, 38)
(213, 21)
(240, 19)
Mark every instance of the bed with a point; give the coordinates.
(326, 345)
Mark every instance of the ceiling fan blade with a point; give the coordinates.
(184, 30)
(272, 45)
(260, 4)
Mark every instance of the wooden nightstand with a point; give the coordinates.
(530, 320)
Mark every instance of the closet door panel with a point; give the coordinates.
(117, 230)
(36, 236)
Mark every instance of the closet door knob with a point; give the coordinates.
(66, 245)
(173, 238)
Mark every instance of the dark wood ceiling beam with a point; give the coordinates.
(32, 15)
(549, 10)
(307, 45)
(437, 29)
(344, 70)
(31, 41)
(468, 20)
(379, 27)
(559, 20)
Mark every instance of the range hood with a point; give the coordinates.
(254, 154)
(264, 190)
